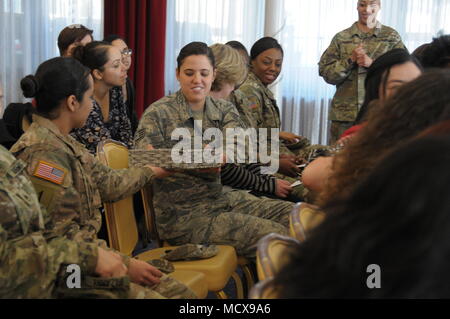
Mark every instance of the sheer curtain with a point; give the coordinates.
(307, 32)
(30, 32)
(209, 21)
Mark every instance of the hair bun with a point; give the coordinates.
(30, 86)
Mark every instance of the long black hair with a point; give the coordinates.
(377, 76)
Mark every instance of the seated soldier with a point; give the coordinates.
(34, 258)
(231, 71)
(70, 182)
(190, 206)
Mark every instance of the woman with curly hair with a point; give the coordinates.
(415, 107)
(397, 219)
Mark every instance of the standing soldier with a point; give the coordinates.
(347, 59)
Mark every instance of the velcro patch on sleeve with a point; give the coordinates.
(50, 172)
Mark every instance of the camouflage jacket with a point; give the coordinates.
(243, 105)
(336, 69)
(29, 264)
(184, 196)
(263, 105)
(70, 182)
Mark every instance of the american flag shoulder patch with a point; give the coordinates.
(50, 172)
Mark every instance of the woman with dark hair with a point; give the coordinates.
(241, 49)
(190, 205)
(71, 184)
(72, 36)
(266, 61)
(33, 256)
(230, 73)
(108, 119)
(416, 106)
(384, 77)
(5, 137)
(128, 90)
(437, 53)
(391, 233)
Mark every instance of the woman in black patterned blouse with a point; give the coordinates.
(108, 119)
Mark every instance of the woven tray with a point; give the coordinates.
(163, 158)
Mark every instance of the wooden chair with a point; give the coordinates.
(271, 254)
(121, 222)
(302, 220)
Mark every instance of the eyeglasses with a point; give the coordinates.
(127, 52)
(75, 26)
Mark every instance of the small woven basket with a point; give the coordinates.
(163, 158)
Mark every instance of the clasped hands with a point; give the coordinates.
(360, 57)
(110, 265)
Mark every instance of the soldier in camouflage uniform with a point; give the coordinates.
(29, 263)
(266, 60)
(71, 184)
(231, 71)
(242, 104)
(34, 258)
(190, 206)
(347, 59)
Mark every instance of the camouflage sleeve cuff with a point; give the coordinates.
(88, 253)
(150, 173)
(348, 64)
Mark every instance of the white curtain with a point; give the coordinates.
(305, 30)
(209, 21)
(308, 30)
(30, 29)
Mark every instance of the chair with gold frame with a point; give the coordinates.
(302, 219)
(216, 270)
(213, 268)
(121, 222)
(263, 290)
(272, 254)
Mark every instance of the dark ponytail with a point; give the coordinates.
(94, 55)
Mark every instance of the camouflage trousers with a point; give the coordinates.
(249, 219)
(169, 288)
(122, 288)
(337, 129)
